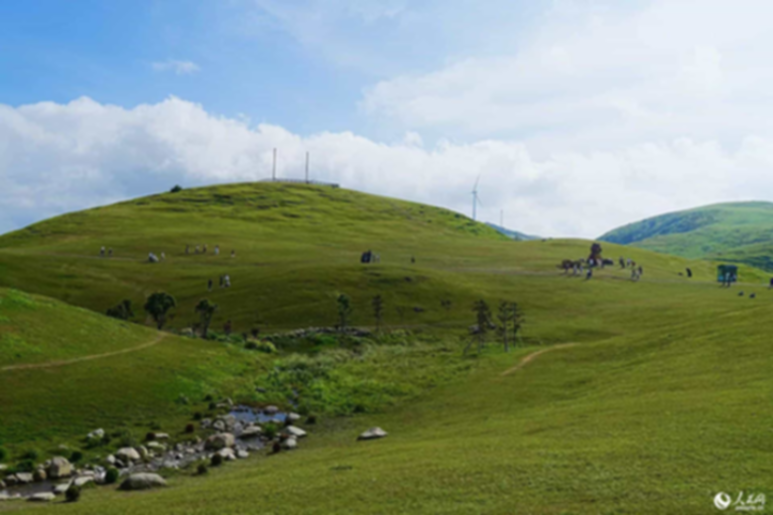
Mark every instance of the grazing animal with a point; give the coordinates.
(753, 296)
(740, 294)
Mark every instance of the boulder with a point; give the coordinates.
(42, 497)
(227, 454)
(110, 459)
(251, 432)
(81, 481)
(127, 454)
(97, 433)
(293, 417)
(155, 446)
(242, 455)
(23, 478)
(39, 475)
(161, 436)
(290, 443)
(219, 425)
(59, 467)
(61, 488)
(143, 452)
(270, 410)
(3, 467)
(220, 441)
(142, 481)
(11, 480)
(295, 431)
(372, 434)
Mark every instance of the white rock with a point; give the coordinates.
(59, 467)
(23, 477)
(142, 481)
(127, 454)
(97, 433)
(290, 443)
(80, 481)
(270, 410)
(242, 455)
(295, 431)
(251, 432)
(42, 497)
(372, 434)
(110, 459)
(220, 441)
(293, 417)
(60, 489)
(227, 454)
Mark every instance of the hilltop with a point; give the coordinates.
(735, 232)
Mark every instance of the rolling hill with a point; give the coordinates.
(515, 235)
(621, 396)
(735, 232)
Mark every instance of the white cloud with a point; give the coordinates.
(178, 67)
(591, 77)
(55, 158)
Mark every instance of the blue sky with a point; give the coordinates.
(580, 115)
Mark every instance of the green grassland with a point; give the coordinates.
(663, 401)
(739, 232)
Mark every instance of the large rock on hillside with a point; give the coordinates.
(127, 454)
(143, 481)
(372, 434)
(59, 468)
(220, 441)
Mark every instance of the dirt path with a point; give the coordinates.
(54, 364)
(534, 355)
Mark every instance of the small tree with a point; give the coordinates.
(483, 319)
(344, 311)
(122, 311)
(206, 310)
(516, 320)
(378, 310)
(176, 189)
(158, 306)
(504, 315)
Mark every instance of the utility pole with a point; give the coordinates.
(273, 170)
(307, 167)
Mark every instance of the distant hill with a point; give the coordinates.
(737, 232)
(512, 234)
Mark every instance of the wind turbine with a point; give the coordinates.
(475, 198)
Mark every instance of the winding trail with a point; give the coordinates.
(534, 355)
(55, 364)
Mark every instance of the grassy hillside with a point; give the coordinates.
(657, 400)
(65, 371)
(663, 402)
(297, 248)
(736, 232)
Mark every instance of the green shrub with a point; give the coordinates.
(25, 466)
(3, 454)
(112, 475)
(76, 456)
(73, 493)
(202, 469)
(270, 430)
(31, 454)
(217, 460)
(176, 189)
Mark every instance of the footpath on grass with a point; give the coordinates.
(54, 364)
(534, 355)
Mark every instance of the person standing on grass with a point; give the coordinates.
(102, 252)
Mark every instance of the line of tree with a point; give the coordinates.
(510, 319)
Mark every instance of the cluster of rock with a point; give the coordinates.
(55, 469)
